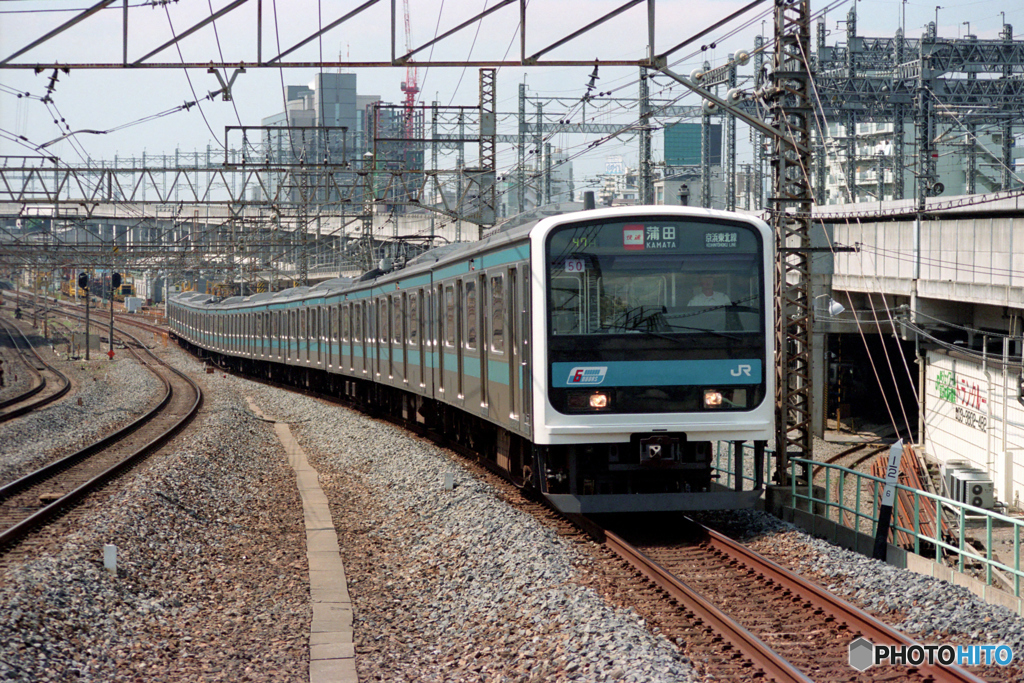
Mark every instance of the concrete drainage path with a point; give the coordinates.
(332, 657)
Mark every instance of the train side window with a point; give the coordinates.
(371, 318)
(498, 314)
(413, 325)
(357, 323)
(337, 323)
(470, 308)
(449, 315)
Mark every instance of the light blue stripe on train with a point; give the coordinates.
(657, 373)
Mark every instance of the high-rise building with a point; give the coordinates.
(682, 144)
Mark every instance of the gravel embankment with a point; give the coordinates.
(113, 393)
(447, 585)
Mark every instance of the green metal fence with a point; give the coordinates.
(723, 464)
(862, 511)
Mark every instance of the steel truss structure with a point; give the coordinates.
(963, 83)
(787, 94)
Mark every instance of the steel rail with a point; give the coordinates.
(854, 617)
(24, 396)
(57, 507)
(750, 645)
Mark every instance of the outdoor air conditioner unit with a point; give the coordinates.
(974, 487)
(949, 469)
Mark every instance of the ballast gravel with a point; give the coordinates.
(112, 394)
(447, 585)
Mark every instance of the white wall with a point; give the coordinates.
(971, 412)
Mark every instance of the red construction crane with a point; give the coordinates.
(410, 86)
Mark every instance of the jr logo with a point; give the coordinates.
(741, 370)
(582, 375)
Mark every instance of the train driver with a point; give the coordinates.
(708, 296)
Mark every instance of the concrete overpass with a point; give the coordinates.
(933, 326)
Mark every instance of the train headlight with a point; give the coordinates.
(725, 398)
(712, 398)
(584, 401)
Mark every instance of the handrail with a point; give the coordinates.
(805, 491)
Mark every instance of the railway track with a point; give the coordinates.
(44, 495)
(789, 628)
(46, 386)
(869, 453)
(737, 616)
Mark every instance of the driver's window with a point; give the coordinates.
(565, 305)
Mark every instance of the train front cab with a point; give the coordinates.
(634, 383)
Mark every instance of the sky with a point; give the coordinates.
(139, 110)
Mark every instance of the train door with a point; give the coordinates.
(460, 361)
(364, 329)
(525, 361)
(293, 335)
(430, 332)
(510, 329)
(309, 334)
(383, 338)
(481, 335)
(330, 319)
(396, 327)
(402, 334)
(262, 321)
(348, 334)
(318, 335)
(372, 347)
(336, 333)
(446, 332)
(415, 338)
(278, 332)
(359, 348)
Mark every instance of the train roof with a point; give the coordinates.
(194, 297)
(437, 253)
(331, 285)
(291, 293)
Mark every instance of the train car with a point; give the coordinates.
(595, 356)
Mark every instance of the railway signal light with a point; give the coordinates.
(83, 281)
(115, 280)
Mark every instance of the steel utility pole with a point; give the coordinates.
(791, 107)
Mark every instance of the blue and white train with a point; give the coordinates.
(595, 356)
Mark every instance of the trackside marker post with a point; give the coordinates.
(892, 473)
(110, 558)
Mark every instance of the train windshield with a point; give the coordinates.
(663, 276)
